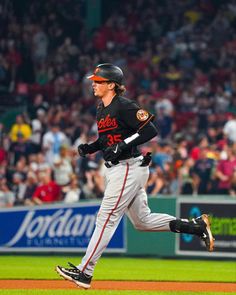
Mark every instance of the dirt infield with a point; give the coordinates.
(120, 285)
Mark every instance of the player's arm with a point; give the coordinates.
(84, 149)
(141, 136)
(139, 120)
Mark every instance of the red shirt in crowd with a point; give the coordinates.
(3, 156)
(49, 192)
(227, 168)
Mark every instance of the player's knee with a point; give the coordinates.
(104, 218)
(102, 222)
(140, 225)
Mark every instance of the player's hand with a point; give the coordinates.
(83, 149)
(146, 159)
(113, 152)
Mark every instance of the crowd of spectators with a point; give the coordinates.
(179, 61)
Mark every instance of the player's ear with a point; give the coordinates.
(111, 85)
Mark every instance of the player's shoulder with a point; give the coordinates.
(125, 102)
(133, 108)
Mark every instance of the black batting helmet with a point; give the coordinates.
(107, 72)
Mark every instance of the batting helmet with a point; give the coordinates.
(107, 72)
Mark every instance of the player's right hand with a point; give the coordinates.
(83, 149)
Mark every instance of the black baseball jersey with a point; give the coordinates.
(118, 121)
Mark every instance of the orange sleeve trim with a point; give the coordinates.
(145, 123)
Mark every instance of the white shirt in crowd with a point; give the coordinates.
(72, 196)
(6, 199)
(62, 169)
(230, 130)
(52, 142)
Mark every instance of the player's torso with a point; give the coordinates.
(111, 128)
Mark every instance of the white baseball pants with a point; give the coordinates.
(124, 193)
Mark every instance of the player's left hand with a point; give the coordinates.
(113, 152)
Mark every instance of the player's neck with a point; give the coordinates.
(107, 99)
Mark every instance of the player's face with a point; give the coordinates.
(100, 88)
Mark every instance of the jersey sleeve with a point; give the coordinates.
(135, 117)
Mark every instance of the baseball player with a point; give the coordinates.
(122, 126)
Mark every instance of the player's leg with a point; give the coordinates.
(143, 219)
(111, 211)
(118, 193)
(138, 211)
(140, 215)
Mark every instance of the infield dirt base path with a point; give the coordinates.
(120, 285)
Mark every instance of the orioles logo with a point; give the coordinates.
(142, 115)
(107, 123)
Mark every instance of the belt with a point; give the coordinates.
(145, 160)
(110, 164)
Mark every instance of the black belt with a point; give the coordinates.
(109, 164)
(145, 162)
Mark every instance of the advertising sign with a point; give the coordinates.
(54, 228)
(223, 226)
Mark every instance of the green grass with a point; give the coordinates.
(102, 292)
(120, 268)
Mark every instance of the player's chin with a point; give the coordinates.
(96, 94)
